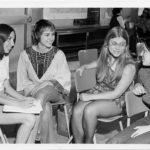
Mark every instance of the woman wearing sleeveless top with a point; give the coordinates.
(115, 73)
(8, 96)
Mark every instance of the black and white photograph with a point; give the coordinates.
(74, 74)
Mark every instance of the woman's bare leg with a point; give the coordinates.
(47, 126)
(34, 131)
(47, 95)
(94, 110)
(51, 128)
(76, 121)
(27, 122)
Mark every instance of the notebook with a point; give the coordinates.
(36, 109)
(86, 81)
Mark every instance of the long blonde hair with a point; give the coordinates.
(124, 59)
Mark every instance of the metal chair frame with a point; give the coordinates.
(78, 89)
(3, 137)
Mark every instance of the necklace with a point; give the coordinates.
(112, 65)
(41, 49)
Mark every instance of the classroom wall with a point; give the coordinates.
(37, 13)
(105, 16)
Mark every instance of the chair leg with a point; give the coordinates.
(146, 114)
(128, 122)
(67, 122)
(94, 138)
(6, 140)
(77, 97)
(121, 125)
(3, 137)
(70, 139)
(67, 119)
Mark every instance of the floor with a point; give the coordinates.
(60, 139)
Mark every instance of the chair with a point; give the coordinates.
(64, 104)
(134, 105)
(3, 137)
(87, 56)
(87, 81)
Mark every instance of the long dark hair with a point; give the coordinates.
(122, 60)
(5, 31)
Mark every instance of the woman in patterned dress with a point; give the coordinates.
(115, 73)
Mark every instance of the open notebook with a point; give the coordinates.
(36, 109)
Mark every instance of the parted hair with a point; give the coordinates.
(124, 59)
(38, 29)
(5, 31)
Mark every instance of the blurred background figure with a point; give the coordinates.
(117, 18)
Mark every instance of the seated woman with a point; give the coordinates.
(9, 96)
(115, 72)
(139, 131)
(43, 73)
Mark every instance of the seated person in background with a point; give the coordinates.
(117, 19)
(9, 96)
(139, 131)
(143, 24)
(43, 73)
(115, 73)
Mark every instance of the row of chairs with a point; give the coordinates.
(134, 104)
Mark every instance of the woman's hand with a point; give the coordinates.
(81, 69)
(29, 98)
(86, 97)
(41, 85)
(139, 89)
(26, 103)
(140, 130)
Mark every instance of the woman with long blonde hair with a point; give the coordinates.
(115, 73)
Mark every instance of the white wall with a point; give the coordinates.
(15, 17)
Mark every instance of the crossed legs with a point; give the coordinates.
(47, 95)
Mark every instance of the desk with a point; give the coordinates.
(74, 38)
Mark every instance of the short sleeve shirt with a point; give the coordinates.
(4, 71)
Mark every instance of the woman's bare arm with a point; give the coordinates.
(15, 98)
(91, 65)
(124, 83)
(87, 66)
(9, 90)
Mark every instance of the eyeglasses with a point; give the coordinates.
(114, 44)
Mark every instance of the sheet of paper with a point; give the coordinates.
(33, 110)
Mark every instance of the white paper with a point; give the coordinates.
(33, 110)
